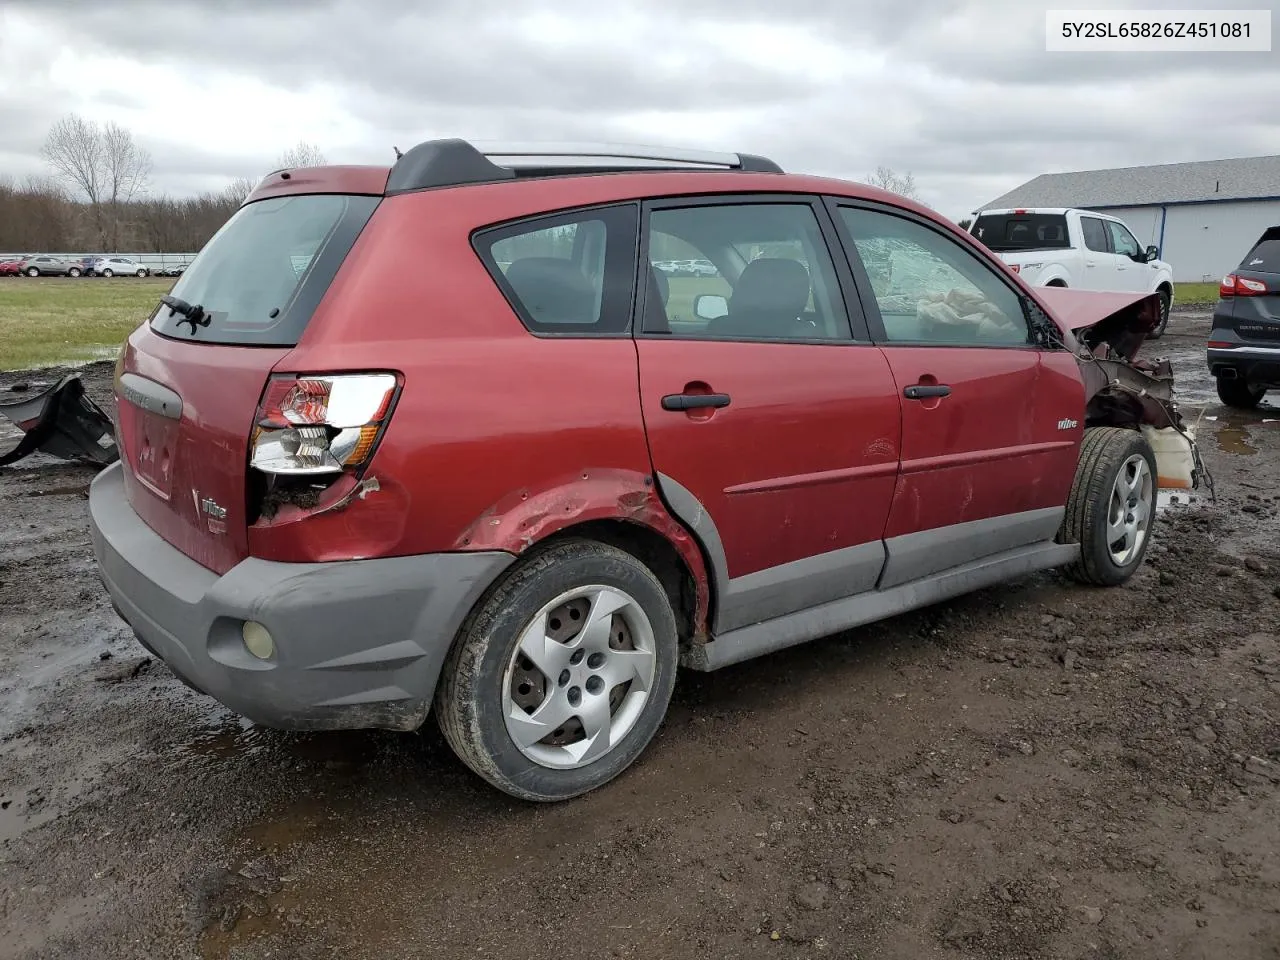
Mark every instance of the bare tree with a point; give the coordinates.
(238, 190)
(104, 164)
(74, 149)
(302, 154)
(902, 184)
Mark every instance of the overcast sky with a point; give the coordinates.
(962, 94)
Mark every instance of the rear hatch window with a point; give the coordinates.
(1008, 232)
(1265, 256)
(260, 277)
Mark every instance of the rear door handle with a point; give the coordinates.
(694, 401)
(922, 391)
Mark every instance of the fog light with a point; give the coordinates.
(257, 640)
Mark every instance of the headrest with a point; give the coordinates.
(553, 290)
(772, 285)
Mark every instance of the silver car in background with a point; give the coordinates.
(119, 267)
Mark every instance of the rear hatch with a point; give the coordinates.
(1250, 295)
(189, 381)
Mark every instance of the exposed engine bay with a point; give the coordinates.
(1105, 331)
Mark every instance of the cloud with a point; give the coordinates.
(962, 94)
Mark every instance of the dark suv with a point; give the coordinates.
(442, 435)
(1244, 345)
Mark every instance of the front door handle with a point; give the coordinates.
(923, 391)
(694, 401)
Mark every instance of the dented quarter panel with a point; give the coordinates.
(527, 516)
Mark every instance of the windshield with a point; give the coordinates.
(1003, 232)
(261, 276)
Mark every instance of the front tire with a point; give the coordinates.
(141, 273)
(1166, 302)
(561, 677)
(1239, 394)
(1112, 506)
(73, 272)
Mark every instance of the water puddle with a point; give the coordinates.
(1233, 438)
(231, 739)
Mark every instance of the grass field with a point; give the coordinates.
(52, 320)
(1188, 293)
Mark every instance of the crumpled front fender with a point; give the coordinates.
(1096, 318)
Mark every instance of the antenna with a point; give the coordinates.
(398, 153)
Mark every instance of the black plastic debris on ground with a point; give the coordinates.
(62, 422)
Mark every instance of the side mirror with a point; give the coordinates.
(1153, 253)
(710, 306)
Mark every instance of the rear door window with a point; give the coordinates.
(263, 274)
(1095, 234)
(761, 271)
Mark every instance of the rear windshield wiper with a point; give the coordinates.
(192, 313)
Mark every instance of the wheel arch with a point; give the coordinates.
(655, 551)
(618, 507)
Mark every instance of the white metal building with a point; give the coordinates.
(1203, 216)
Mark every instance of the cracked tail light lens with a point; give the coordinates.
(320, 424)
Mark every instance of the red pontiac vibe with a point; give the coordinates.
(511, 432)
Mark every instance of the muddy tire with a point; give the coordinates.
(1111, 507)
(1239, 394)
(562, 675)
(1166, 302)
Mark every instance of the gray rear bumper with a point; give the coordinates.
(358, 643)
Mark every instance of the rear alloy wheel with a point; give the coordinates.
(1111, 506)
(563, 674)
(32, 272)
(1165, 303)
(73, 272)
(1239, 394)
(107, 273)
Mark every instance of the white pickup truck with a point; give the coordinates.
(1063, 247)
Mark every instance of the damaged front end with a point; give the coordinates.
(63, 422)
(1105, 331)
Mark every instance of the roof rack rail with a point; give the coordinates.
(453, 162)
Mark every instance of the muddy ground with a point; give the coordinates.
(1038, 770)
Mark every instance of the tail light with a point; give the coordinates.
(1234, 286)
(320, 424)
